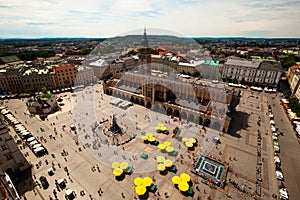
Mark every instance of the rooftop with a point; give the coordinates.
(242, 63)
(270, 66)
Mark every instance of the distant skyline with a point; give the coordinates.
(191, 18)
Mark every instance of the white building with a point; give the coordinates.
(264, 73)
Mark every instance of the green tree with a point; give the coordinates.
(288, 61)
(287, 93)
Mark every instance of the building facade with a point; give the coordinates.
(11, 159)
(262, 73)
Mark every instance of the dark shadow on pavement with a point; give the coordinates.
(238, 122)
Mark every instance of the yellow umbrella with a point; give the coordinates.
(169, 149)
(192, 140)
(115, 165)
(163, 128)
(147, 181)
(161, 146)
(184, 139)
(160, 159)
(160, 124)
(168, 163)
(189, 144)
(183, 186)
(124, 165)
(149, 135)
(161, 167)
(144, 138)
(167, 143)
(157, 128)
(140, 190)
(138, 181)
(118, 172)
(176, 179)
(151, 139)
(185, 177)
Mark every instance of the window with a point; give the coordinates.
(4, 147)
(149, 92)
(8, 156)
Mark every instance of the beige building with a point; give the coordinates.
(179, 96)
(293, 76)
(63, 76)
(36, 80)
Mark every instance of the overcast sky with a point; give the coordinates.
(107, 18)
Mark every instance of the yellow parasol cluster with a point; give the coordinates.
(149, 137)
(182, 181)
(163, 163)
(142, 184)
(167, 146)
(160, 127)
(119, 168)
(189, 142)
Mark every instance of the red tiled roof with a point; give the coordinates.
(295, 67)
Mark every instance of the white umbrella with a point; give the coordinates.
(36, 146)
(69, 192)
(276, 148)
(38, 149)
(272, 122)
(274, 138)
(279, 175)
(276, 159)
(60, 181)
(34, 142)
(30, 139)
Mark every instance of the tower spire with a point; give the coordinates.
(145, 42)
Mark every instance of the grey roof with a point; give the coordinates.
(270, 66)
(242, 63)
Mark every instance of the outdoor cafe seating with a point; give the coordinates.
(119, 169)
(144, 185)
(182, 183)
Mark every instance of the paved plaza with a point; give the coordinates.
(89, 152)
